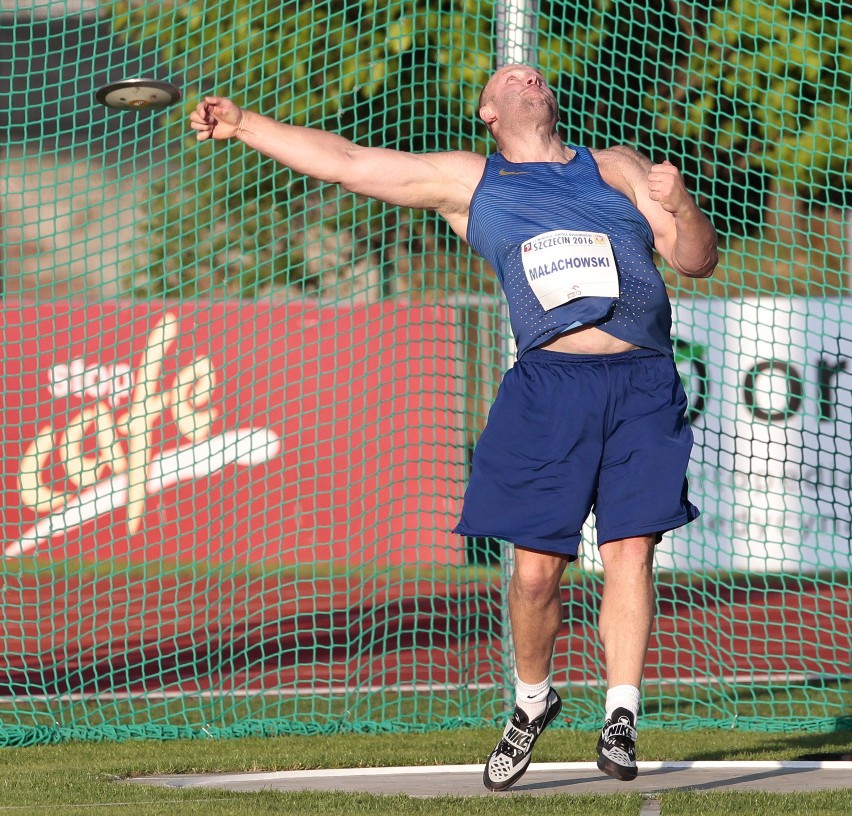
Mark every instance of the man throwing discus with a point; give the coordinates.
(591, 416)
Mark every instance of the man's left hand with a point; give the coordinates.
(666, 185)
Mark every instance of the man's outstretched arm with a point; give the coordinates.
(444, 182)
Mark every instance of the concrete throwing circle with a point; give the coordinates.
(541, 779)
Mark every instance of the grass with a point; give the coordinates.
(81, 778)
(440, 575)
(820, 704)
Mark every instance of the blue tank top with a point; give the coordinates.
(515, 203)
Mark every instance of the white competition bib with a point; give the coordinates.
(564, 265)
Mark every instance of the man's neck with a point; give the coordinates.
(532, 148)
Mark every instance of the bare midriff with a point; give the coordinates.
(587, 340)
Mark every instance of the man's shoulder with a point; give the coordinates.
(458, 157)
(452, 177)
(623, 167)
(457, 165)
(622, 156)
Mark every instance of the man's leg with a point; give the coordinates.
(625, 623)
(535, 610)
(627, 608)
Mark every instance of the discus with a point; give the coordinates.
(138, 94)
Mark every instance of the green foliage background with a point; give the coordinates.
(751, 98)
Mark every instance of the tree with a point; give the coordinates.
(767, 95)
(231, 222)
(751, 98)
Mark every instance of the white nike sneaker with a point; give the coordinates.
(509, 760)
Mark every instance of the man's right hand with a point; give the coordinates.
(216, 118)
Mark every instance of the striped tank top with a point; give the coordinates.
(514, 205)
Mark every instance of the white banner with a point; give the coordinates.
(770, 388)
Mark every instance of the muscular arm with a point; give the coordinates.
(443, 182)
(683, 235)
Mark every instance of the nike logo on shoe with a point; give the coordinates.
(617, 746)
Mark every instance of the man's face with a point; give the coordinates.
(518, 90)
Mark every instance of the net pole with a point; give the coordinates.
(847, 269)
(517, 33)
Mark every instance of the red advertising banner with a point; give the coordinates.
(231, 431)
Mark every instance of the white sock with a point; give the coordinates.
(623, 697)
(532, 698)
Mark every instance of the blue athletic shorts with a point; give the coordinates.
(572, 433)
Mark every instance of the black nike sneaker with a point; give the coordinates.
(617, 746)
(510, 758)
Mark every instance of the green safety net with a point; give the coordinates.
(238, 405)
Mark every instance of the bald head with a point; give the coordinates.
(516, 94)
(487, 92)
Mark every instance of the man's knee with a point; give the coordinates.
(537, 576)
(630, 554)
